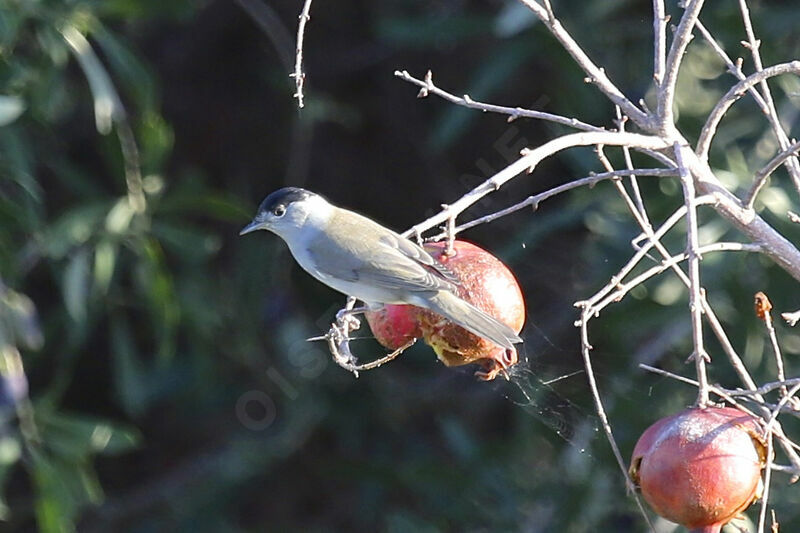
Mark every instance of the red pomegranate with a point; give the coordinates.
(486, 283)
(394, 325)
(701, 467)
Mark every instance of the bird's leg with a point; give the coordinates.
(338, 338)
(346, 317)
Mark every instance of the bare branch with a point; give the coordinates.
(754, 45)
(298, 74)
(626, 152)
(596, 74)
(513, 113)
(692, 248)
(623, 288)
(660, 40)
(666, 92)
(714, 118)
(762, 515)
(770, 113)
(763, 307)
(528, 162)
(586, 349)
(775, 245)
(536, 199)
(761, 176)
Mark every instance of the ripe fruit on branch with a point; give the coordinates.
(701, 467)
(486, 283)
(394, 325)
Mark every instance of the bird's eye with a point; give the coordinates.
(279, 211)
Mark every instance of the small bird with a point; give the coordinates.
(358, 257)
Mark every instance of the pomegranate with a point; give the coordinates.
(394, 325)
(486, 283)
(701, 467)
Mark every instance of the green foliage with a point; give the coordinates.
(142, 346)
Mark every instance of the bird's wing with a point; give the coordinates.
(404, 265)
(413, 251)
(397, 265)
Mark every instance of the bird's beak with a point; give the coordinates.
(252, 226)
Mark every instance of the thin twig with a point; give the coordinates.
(719, 391)
(782, 251)
(428, 87)
(777, 409)
(695, 289)
(761, 176)
(666, 91)
(763, 307)
(735, 92)
(754, 45)
(659, 41)
(764, 389)
(530, 160)
(586, 349)
(762, 515)
(623, 288)
(788, 446)
(595, 74)
(774, 121)
(298, 74)
(626, 152)
(536, 199)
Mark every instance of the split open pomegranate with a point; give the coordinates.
(486, 283)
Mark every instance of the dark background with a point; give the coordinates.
(171, 388)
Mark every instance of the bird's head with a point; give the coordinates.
(290, 212)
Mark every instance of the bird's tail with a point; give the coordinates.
(472, 319)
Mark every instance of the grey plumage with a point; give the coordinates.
(357, 256)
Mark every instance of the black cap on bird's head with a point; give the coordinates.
(284, 197)
(275, 205)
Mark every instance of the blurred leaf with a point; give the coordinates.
(107, 105)
(157, 139)
(73, 228)
(10, 453)
(13, 381)
(76, 437)
(63, 488)
(131, 384)
(105, 255)
(192, 244)
(52, 44)
(134, 77)
(119, 217)
(156, 284)
(17, 161)
(11, 107)
(24, 319)
(76, 284)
